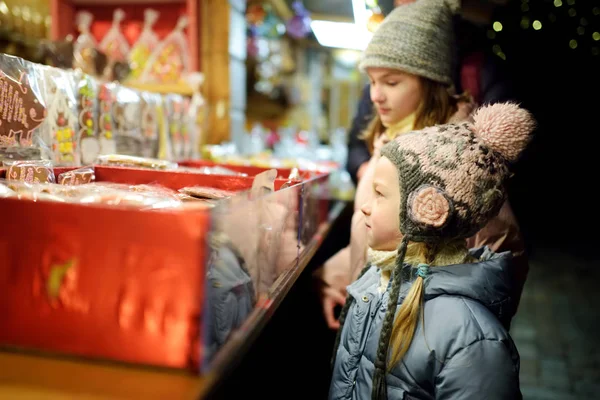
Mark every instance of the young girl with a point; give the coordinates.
(431, 190)
(408, 62)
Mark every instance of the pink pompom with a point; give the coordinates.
(504, 127)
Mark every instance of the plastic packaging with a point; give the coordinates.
(85, 45)
(127, 112)
(151, 124)
(30, 171)
(62, 135)
(114, 44)
(169, 62)
(22, 109)
(87, 107)
(80, 176)
(106, 123)
(176, 120)
(131, 161)
(197, 116)
(144, 46)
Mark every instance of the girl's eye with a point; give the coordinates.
(392, 83)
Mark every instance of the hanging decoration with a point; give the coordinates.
(376, 18)
(298, 26)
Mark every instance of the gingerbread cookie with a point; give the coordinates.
(203, 192)
(79, 176)
(30, 172)
(20, 110)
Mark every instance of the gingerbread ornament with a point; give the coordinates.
(145, 45)
(114, 44)
(106, 123)
(20, 111)
(169, 61)
(175, 110)
(127, 117)
(61, 118)
(88, 128)
(150, 124)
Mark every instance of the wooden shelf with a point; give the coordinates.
(24, 376)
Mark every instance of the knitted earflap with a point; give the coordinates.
(379, 384)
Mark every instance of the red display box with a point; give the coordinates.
(101, 282)
(250, 170)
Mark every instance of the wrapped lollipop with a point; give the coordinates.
(114, 44)
(196, 115)
(169, 62)
(145, 45)
(85, 45)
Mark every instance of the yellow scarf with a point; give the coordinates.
(405, 125)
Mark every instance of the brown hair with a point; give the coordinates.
(437, 107)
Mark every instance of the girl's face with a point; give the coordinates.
(382, 211)
(396, 94)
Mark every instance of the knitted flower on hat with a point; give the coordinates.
(452, 176)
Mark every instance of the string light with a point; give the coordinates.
(596, 36)
(557, 3)
(497, 26)
(491, 34)
(524, 7)
(552, 17)
(595, 51)
(583, 21)
(580, 30)
(573, 44)
(525, 22)
(596, 10)
(572, 12)
(537, 25)
(570, 2)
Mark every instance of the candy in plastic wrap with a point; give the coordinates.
(152, 121)
(85, 45)
(169, 62)
(106, 123)
(127, 112)
(87, 98)
(207, 192)
(30, 171)
(61, 119)
(137, 162)
(22, 108)
(114, 44)
(196, 115)
(176, 118)
(144, 46)
(79, 176)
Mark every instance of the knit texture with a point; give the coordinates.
(416, 38)
(452, 176)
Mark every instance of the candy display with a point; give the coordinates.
(169, 61)
(145, 45)
(131, 161)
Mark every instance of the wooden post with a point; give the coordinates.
(223, 56)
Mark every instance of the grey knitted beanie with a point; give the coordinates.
(416, 38)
